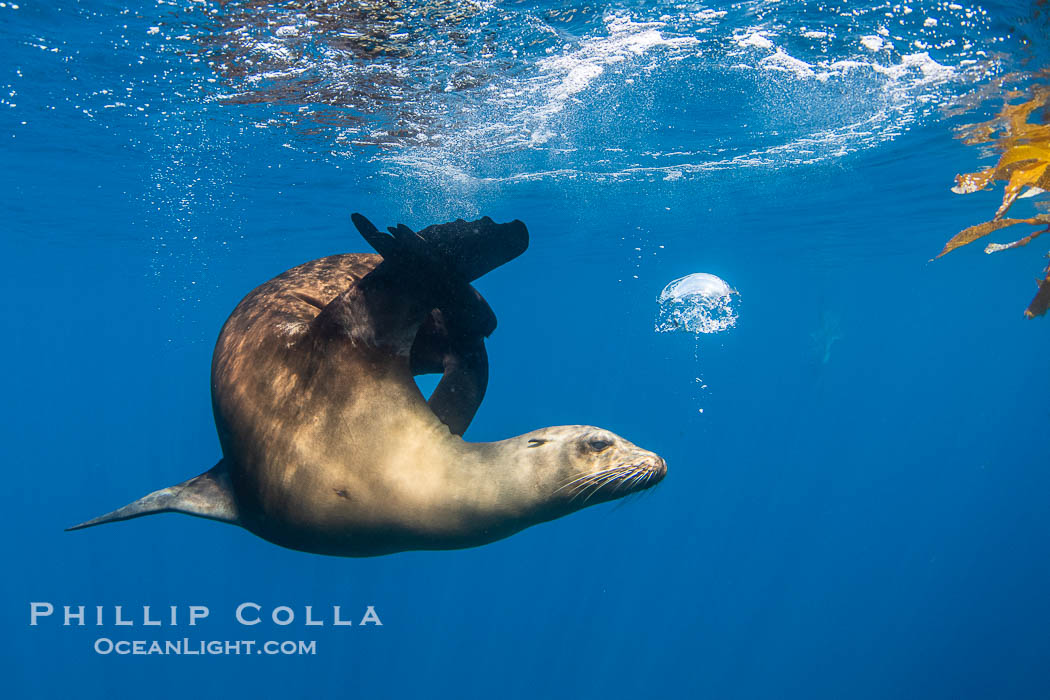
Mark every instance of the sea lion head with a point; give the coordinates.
(581, 465)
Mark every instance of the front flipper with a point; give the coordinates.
(452, 341)
(458, 395)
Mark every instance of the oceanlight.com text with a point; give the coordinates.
(189, 647)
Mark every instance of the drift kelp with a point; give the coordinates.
(1020, 133)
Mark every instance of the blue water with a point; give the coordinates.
(856, 502)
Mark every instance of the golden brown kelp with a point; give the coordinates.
(1021, 134)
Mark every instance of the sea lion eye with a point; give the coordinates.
(536, 442)
(598, 445)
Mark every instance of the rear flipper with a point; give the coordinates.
(420, 272)
(206, 496)
(459, 251)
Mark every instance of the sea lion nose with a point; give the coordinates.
(659, 467)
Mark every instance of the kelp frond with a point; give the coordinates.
(1019, 132)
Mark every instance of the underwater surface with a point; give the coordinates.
(856, 503)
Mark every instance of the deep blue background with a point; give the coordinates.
(869, 526)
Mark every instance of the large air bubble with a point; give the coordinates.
(697, 303)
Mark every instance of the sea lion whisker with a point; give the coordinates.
(596, 481)
(581, 484)
(625, 475)
(628, 481)
(596, 489)
(592, 481)
(600, 473)
(575, 485)
(649, 490)
(579, 488)
(579, 491)
(587, 477)
(602, 482)
(634, 480)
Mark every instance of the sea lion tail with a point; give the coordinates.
(206, 496)
(462, 249)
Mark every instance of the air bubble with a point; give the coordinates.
(697, 303)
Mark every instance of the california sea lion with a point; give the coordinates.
(328, 444)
